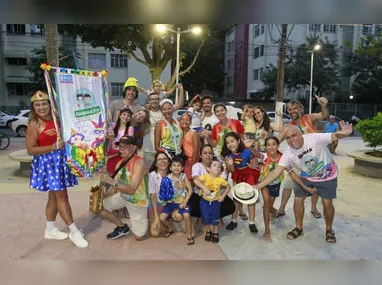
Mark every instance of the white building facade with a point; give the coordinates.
(263, 49)
(18, 41)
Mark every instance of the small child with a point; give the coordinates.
(179, 199)
(196, 113)
(248, 121)
(211, 185)
(157, 88)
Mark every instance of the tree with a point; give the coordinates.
(208, 71)
(38, 57)
(326, 73)
(365, 63)
(157, 50)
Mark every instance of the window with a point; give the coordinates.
(330, 28)
(315, 27)
(37, 29)
(19, 89)
(228, 81)
(97, 60)
(116, 89)
(230, 63)
(255, 74)
(366, 29)
(256, 52)
(118, 60)
(262, 29)
(262, 50)
(257, 30)
(17, 61)
(18, 29)
(261, 73)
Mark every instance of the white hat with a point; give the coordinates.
(245, 193)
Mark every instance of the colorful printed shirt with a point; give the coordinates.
(214, 184)
(305, 126)
(179, 194)
(268, 165)
(141, 195)
(171, 135)
(218, 132)
(240, 160)
(313, 158)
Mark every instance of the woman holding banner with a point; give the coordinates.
(50, 171)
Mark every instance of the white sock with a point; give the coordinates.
(50, 225)
(234, 221)
(73, 229)
(251, 223)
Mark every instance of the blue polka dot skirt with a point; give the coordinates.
(50, 172)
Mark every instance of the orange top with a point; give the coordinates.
(305, 126)
(188, 147)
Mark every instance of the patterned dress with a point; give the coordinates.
(50, 171)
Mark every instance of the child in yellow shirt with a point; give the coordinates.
(211, 185)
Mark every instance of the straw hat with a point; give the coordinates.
(245, 193)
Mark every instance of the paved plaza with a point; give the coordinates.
(357, 224)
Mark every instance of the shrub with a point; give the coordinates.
(371, 131)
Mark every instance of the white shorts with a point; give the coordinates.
(138, 214)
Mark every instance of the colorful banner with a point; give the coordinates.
(82, 107)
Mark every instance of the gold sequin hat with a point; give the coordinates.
(39, 96)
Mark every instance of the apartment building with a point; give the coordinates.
(262, 50)
(17, 42)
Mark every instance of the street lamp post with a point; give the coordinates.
(316, 47)
(162, 28)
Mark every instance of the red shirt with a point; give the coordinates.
(218, 132)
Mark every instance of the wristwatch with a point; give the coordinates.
(115, 186)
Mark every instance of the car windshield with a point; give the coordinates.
(26, 114)
(7, 113)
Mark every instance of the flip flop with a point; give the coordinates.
(167, 234)
(190, 241)
(317, 215)
(243, 216)
(280, 215)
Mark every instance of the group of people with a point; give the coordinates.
(195, 158)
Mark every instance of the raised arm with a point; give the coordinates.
(277, 127)
(324, 110)
(346, 130)
(180, 102)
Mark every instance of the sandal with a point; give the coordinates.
(316, 214)
(190, 241)
(208, 236)
(243, 216)
(280, 215)
(293, 234)
(215, 239)
(330, 236)
(167, 234)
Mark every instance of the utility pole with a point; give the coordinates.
(281, 72)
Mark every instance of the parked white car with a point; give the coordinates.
(19, 126)
(286, 118)
(6, 119)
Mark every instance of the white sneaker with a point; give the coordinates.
(78, 239)
(55, 234)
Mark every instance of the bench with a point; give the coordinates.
(25, 160)
(366, 164)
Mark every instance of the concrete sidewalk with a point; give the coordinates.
(357, 224)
